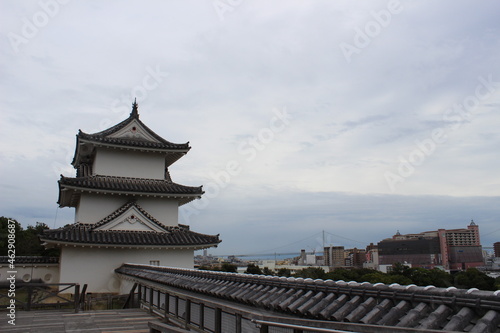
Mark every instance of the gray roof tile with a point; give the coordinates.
(415, 308)
(128, 184)
(31, 260)
(76, 234)
(103, 136)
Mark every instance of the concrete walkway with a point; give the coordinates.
(106, 321)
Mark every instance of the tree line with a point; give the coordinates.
(401, 274)
(27, 241)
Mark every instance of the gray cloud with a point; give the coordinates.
(218, 82)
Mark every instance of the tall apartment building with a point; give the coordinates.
(372, 261)
(334, 256)
(355, 257)
(454, 249)
(496, 248)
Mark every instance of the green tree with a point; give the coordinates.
(369, 275)
(253, 269)
(400, 269)
(400, 279)
(205, 268)
(4, 233)
(419, 276)
(473, 278)
(267, 271)
(376, 277)
(227, 267)
(27, 240)
(284, 272)
(29, 244)
(440, 278)
(311, 272)
(341, 274)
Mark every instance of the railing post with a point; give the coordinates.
(187, 312)
(139, 295)
(81, 301)
(77, 298)
(167, 305)
(264, 328)
(218, 320)
(238, 322)
(202, 316)
(150, 300)
(129, 303)
(158, 299)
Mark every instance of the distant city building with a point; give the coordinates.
(454, 249)
(371, 255)
(126, 207)
(311, 259)
(307, 259)
(334, 256)
(302, 258)
(496, 248)
(354, 257)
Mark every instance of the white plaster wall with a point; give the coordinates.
(95, 267)
(94, 207)
(26, 273)
(126, 163)
(164, 210)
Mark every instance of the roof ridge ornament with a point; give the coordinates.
(135, 111)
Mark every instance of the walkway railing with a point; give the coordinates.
(207, 301)
(35, 296)
(202, 315)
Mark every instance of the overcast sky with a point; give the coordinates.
(357, 119)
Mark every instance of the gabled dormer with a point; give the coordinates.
(130, 217)
(127, 149)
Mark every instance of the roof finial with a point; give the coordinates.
(135, 112)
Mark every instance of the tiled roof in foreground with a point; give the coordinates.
(86, 236)
(400, 308)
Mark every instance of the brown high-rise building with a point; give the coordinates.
(454, 249)
(496, 248)
(334, 256)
